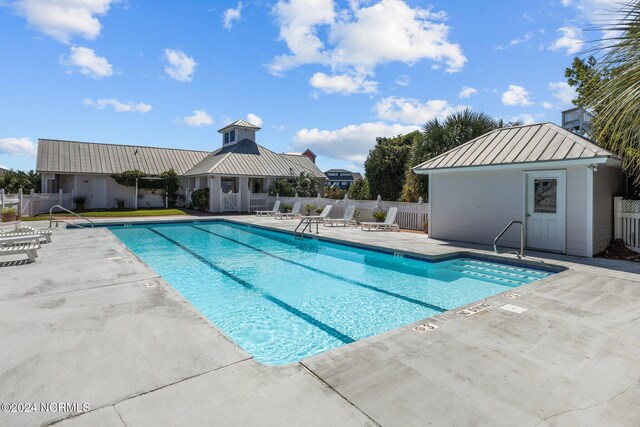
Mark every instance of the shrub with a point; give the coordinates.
(9, 211)
(309, 208)
(379, 216)
(200, 199)
(286, 208)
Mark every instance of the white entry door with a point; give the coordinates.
(98, 193)
(545, 210)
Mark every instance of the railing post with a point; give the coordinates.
(1, 199)
(19, 203)
(617, 210)
(32, 202)
(420, 213)
(60, 197)
(378, 200)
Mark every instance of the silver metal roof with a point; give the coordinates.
(55, 156)
(250, 159)
(541, 142)
(239, 123)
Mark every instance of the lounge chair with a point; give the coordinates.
(19, 239)
(346, 219)
(318, 218)
(28, 249)
(25, 230)
(273, 211)
(388, 224)
(295, 212)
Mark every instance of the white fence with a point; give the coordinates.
(411, 216)
(33, 203)
(626, 221)
(230, 202)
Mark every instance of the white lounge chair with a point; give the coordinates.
(295, 212)
(273, 211)
(25, 230)
(19, 239)
(28, 249)
(318, 218)
(346, 219)
(388, 224)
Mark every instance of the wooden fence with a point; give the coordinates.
(626, 222)
(411, 216)
(34, 203)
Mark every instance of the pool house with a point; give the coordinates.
(240, 173)
(559, 185)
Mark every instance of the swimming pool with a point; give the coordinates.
(283, 299)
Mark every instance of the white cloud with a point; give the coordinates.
(197, 119)
(88, 63)
(231, 15)
(562, 92)
(412, 111)
(595, 10)
(351, 143)
(63, 19)
(547, 105)
(516, 95)
(254, 119)
(343, 83)
(118, 107)
(18, 147)
(525, 38)
(356, 40)
(467, 92)
(571, 40)
(179, 66)
(525, 118)
(403, 80)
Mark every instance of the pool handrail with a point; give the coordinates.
(495, 241)
(69, 211)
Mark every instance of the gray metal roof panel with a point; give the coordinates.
(520, 144)
(86, 157)
(250, 159)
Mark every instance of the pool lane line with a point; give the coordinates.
(326, 273)
(302, 315)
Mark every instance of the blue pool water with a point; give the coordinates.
(283, 299)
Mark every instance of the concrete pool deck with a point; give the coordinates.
(88, 322)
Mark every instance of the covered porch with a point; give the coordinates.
(232, 193)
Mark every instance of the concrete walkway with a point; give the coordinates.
(88, 322)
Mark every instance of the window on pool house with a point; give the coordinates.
(229, 136)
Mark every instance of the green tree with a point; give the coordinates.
(304, 184)
(440, 136)
(385, 166)
(585, 76)
(359, 190)
(11, 181)
(616, 98)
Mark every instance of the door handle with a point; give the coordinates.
(528, 215)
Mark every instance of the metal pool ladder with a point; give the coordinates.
(307, 224)
(62, 208)
(495, 241)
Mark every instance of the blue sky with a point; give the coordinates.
(328, 75)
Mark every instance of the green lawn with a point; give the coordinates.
(113, 214)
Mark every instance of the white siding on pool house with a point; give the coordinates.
(478, 188)
(474, 206)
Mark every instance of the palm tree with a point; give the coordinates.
(439, 136)
(617, 100)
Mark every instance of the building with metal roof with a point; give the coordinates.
(557, 185)
(340, 178)
(238, 174)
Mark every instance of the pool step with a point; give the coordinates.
(505, 267)
(486, 277)
(498, 273)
